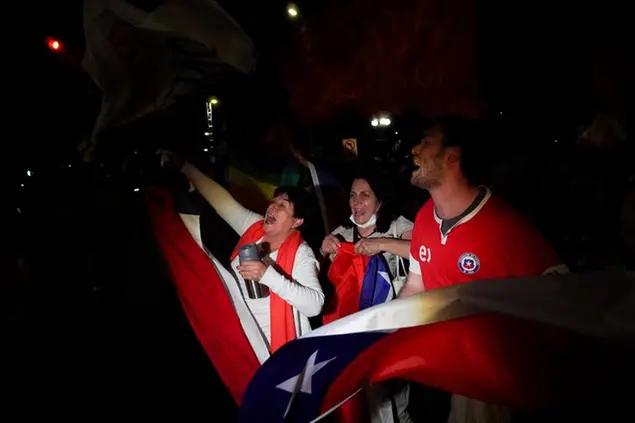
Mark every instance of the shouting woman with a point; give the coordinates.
(287, 270)
(373, 230)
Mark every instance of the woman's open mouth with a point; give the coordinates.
(358, 213)
(269, 219)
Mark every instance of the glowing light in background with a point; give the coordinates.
(381, 121)
(292, 11)
(54, 44)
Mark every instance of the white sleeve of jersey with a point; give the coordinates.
(414, 266)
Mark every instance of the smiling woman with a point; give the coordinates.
(372, 226)
(375, 230)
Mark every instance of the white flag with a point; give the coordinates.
(145, 59)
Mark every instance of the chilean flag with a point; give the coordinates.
(359, 281)
(522, 342)
(200, 283)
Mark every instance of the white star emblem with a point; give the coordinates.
(303, 381)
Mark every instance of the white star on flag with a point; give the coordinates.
(302, 382)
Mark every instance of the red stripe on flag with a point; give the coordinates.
(346, 273)
(492, 358)
(203, 296)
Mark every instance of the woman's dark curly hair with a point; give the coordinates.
(379, 184)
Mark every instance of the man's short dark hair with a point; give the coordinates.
(457, 130)
(462, 133)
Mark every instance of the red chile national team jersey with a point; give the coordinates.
(491, 242)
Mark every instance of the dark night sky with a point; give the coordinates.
(535, 60)
(51, 106)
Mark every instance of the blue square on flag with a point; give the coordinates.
(293, 384)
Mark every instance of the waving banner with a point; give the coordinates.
(523, 342)
(144, 58)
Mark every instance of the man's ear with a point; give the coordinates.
(298, 222)
(454, 155)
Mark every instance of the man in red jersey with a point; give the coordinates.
(464, 233)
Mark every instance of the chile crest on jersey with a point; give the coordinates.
(469, 263)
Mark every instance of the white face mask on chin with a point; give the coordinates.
(371, 222)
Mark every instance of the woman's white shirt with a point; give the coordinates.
(302, 290)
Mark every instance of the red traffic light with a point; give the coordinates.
(54, 44)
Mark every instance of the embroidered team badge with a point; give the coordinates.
(469, 263)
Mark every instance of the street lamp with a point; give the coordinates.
(292, 11)
(209, 134)
(382, 121)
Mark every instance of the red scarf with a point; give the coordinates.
(281, 313)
